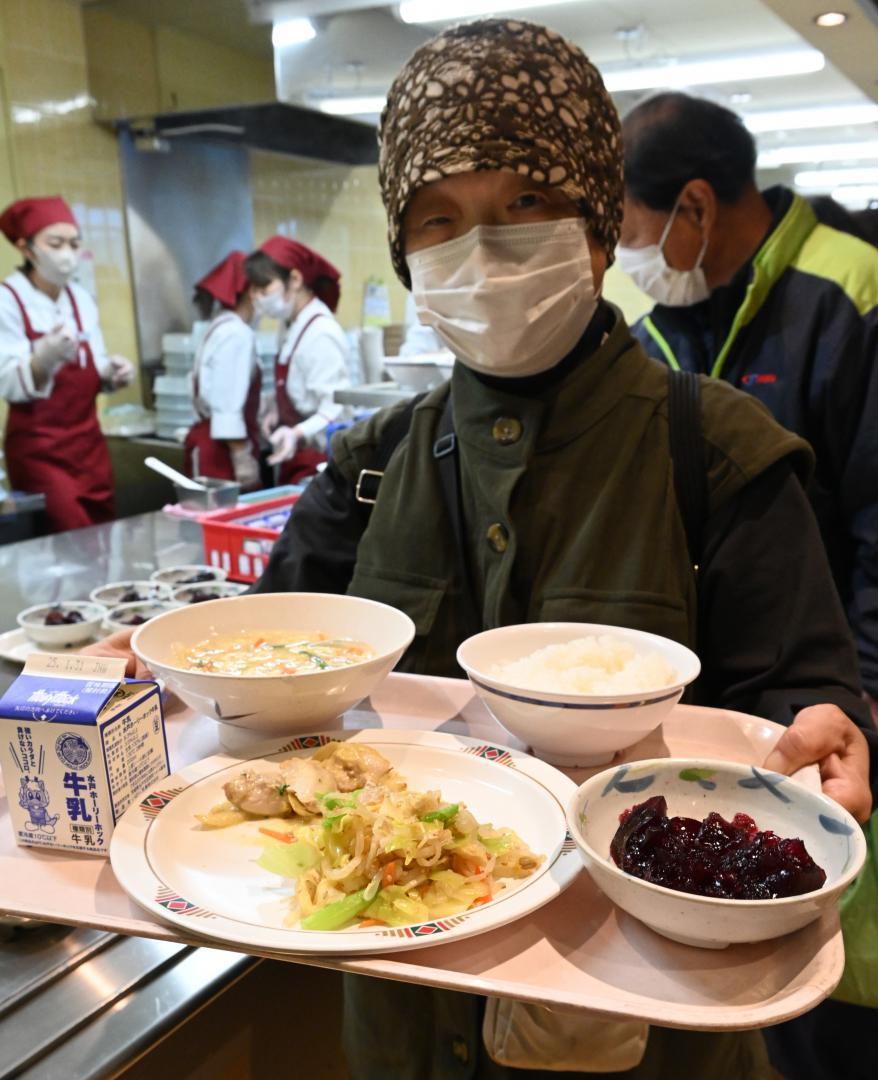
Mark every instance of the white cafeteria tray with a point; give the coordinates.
(577, 952)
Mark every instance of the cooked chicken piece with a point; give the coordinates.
(354, 765)
(305, 779)
(258, 793)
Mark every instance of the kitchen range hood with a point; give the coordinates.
(273, 126)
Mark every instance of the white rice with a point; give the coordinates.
(598, 664)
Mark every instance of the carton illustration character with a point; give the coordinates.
(33, 797)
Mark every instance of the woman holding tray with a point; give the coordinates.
(501, 172)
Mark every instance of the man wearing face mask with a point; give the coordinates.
(53, 363)
(749, 288)
(538, 485)
(300, 289)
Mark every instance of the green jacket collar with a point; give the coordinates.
(559, 413)
(778, 251)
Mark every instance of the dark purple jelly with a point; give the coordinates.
(199, 575)
(133, 620)
(131, 597)
(56, 616)
(713, 857)
(198, 596)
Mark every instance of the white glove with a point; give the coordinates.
(284, 441)
(121, 372)
(52, 351)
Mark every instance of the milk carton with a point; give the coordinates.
(78, 743)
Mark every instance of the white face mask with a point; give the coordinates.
(273, 305)
(55, 265)
(508, 300)
(649, 269)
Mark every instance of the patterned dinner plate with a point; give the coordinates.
(207, 881)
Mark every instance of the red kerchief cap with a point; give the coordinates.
(318, 273)
(25, 217)
(227, 280)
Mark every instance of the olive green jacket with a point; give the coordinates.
(568, 499)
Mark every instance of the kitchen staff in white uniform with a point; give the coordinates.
(226, 381)
(300, 288)
(53, 363)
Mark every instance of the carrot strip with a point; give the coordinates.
(460, 865)
(284, 837)
(372, 922)
(391, 873)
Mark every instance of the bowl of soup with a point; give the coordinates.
(274, 663)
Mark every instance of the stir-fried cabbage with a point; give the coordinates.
(381, 854)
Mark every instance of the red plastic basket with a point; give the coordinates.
(239, 548)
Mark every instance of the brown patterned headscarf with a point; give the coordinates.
(502, 94)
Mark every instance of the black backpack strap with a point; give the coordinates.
(369, 479)
(687, 455)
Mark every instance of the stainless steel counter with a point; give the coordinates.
(83, 1002)
(67, 566)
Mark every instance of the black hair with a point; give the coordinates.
(204, 303)
(261, 270)
(673, 138)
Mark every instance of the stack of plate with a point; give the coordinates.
(173, 396)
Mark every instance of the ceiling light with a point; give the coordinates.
(776, 156)
(718, 69)
(857, 196)
(830, 18)
(740, 98)
(427, 11)
(824, 179)
(292, 32)
(820, 116)
(359, 105)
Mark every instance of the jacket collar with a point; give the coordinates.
(557, 413)
(736, 305)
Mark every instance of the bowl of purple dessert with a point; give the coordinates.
(130, 592)
(178, 576)
(209, 590)
(714, 853)
(60, 625)
(130, 616)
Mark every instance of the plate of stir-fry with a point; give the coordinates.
(350, 843)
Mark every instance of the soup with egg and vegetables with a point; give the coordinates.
(271, 652)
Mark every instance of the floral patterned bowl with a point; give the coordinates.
(693, 789)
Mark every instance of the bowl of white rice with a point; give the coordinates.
(577, 693)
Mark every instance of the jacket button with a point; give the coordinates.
(460, 1050)
(506, 430)
(498, 537)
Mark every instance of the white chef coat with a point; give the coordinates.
(16, 377)
(224, 365)
(319, 367)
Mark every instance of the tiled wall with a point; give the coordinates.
(56, 148)
(337, 210)
(63, 64)
(197, 74)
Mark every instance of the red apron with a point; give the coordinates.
(305, 460)
(206, 456)
(55, 444)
